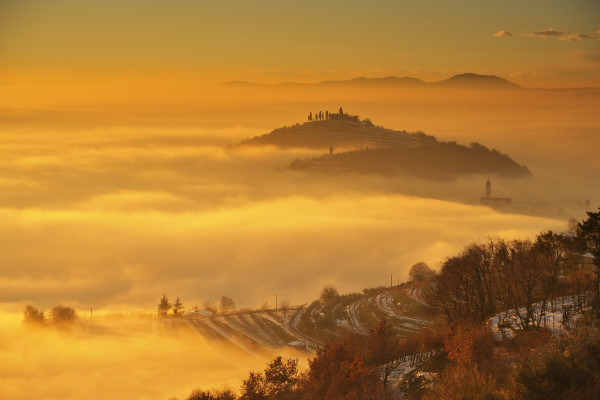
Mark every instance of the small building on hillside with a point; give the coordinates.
(488, 200)
(341, 116)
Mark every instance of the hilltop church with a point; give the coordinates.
(341, 116)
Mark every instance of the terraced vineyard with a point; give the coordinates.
(404, 306)
(310, 327)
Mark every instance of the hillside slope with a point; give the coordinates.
(339, 134)
(434, 161)
(310, 327)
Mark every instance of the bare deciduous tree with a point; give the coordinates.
(328, 294)
(227, 304)
(62, 315)
(210, 306)
(420, 272)
(32, 316)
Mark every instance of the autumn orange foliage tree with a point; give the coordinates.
(383, 350)
(338, 372)
(470, 346)
(568, 368)
(279, 382)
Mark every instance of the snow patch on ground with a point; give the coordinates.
(504, 324)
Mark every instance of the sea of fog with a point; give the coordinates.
(113, 215)
(114, 218)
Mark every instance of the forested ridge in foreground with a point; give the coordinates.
(496, 336)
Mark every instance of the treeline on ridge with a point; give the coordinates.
(57, 316)
(521, 276)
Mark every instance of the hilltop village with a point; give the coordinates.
(340, 116)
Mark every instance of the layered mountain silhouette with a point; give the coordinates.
(466, 80)
(351, 145)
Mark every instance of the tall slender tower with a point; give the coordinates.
(488, 188)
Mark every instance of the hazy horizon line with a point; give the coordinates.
(406, 78)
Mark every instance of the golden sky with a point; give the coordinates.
(62, 47)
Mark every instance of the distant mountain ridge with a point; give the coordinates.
(475, 80)
(466, 80)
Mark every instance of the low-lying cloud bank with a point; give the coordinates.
(112, 218)
(289, 245)
(117, 359)
(117, 217)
